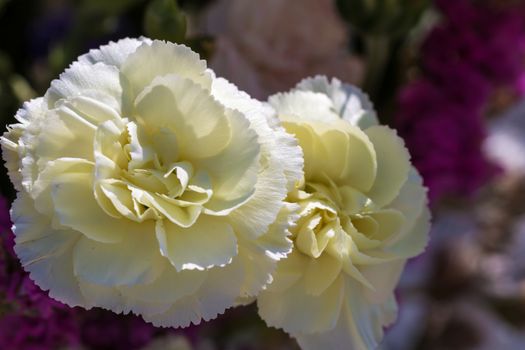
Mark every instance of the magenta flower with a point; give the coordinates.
(474, 50)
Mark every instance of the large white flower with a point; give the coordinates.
(148, 185)
(363, 212)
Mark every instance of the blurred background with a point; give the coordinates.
(449, 75)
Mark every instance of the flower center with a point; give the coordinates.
(140, 175)
(340, 221)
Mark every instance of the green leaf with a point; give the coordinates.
(391, 18)
(165, 21)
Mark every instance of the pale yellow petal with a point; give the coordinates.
(169, 287)
(108, 298)
(218, 292)
(393, 164)
(320, 273)
(199, 122)
(389, 223)
(359, 326)
(182, 216)
(208, 242)
(159, 58)
(289, 272)
(85, 215)
(46, 253)
(272, 136)
(384, 278)
(95, 80)
(135, 260)
(411, 201)
(350, 102)
(64, 134)
(234, 171)
(114, 53)
(303, 106)
(414, 242)
(42, 188)
(351, 158)
(18, 158)
(295, 311)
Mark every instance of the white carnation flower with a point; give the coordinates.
(148, 185)
(363, 213)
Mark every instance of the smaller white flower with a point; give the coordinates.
(363, 213)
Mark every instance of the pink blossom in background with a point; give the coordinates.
(270, 49)
(441, 115)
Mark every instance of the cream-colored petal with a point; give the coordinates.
(303, 106)
(44, 252)
(236, 170)
(253, 218)
(389, 224)
(64, 133)
(182, 216)
(350, 103)
(166, 145)
(361, 229)
(169, 287)
(352, 201)
(358, 329)
(264, 120)
(115, 199)
(114, 53)
(208, 242)
(258, 268)
(320, 273)
(134, 260)
(275, 241)
(414, 242)
(10, 154)
(393, 164)
(260, 257)
(179, 104)
(312, 147)
(350, 157)
(411, 200)
(85, 215)
(384, 278)
(141, 152)
(367, 318)
(289, 272)
(108, 298)
(215, 295)
(90, 109)
(159, 58)
(54, 170)
(296, 311)
(95, 80)
(18, 157)
(313, 236)
(110, 158)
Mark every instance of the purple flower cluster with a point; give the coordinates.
(103, 329)
(475, 49)
(31, 320)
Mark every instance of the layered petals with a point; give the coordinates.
(363, 213)
(148, 185)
